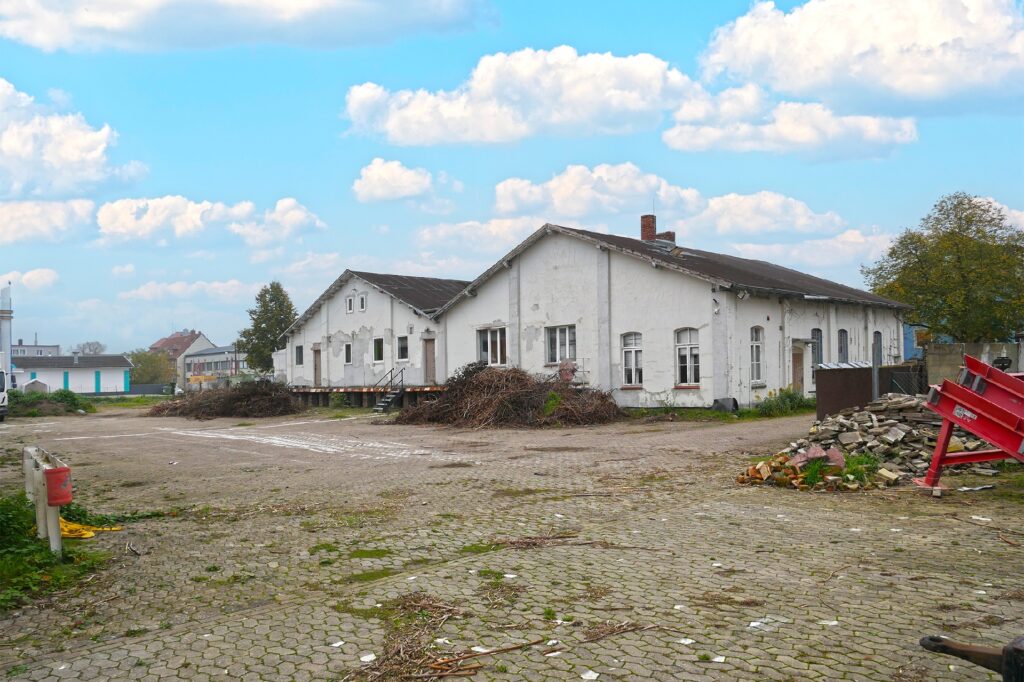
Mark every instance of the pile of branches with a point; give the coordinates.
(479, 396)
(248, 399)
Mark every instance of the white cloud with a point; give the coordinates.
(792, 126)
(606, 188)
(429, 264)
(277, 224)
(123, 270)
(387, 180)
(41, 220)
(139, 218)
(912, 48)
(510, 96)
(315, 262)
(39, 278)
(45, 153)
(1014, 216)
(851, 246)
(759, 213)
(230, 290)
(96, 24)
(494, 235)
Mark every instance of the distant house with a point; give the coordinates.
(220, 364)
(86, 374)
(36, 349)
(179, 344)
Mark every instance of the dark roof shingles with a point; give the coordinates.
(742, 272)
(423, 293)
(68, 362)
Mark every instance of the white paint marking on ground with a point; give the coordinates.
(323, 444)
(119, 435)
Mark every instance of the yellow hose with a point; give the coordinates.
(70, 529)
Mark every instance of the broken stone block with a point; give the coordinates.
(851, 438)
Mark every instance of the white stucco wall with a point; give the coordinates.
(331, 327)
(201, 343)
(80, 380)
(561, 280)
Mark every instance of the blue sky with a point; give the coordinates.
(158, 166)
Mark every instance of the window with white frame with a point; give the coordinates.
(757, 355)
(817, 352)
(632, 359)
(687, 357)
(844, 346)
(561, 343)
(348, 353)
(362, 302)
(378, 349)
(298, 355)
(403, 347)
(350, 304)
(492, 345)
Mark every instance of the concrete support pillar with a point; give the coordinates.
(514, 338)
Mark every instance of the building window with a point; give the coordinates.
(757, 355)
(687, 357)
(350, 304)
(298, 355)
(188, 366)
(348, 353)
(362, 302)
(492, 345)
(561, 343)
(403, 347)
(817, 352)
(876, 348)
(378, 349)
(632, 359)
(844, 346)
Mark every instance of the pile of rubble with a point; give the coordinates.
(897, 431)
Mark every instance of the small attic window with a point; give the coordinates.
(349, 304)
(362, 302)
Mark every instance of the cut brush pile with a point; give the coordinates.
(479, 396)
(249, 399)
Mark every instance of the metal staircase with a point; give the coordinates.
(394, 384)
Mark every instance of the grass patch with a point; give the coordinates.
(861, 466)
(358, 518)
(1010, 487)
(27, 567)
(368, 553)
(76, 513)
(518, 492)
(323, 547)
(785, 402)
(370, 576)
(490, 574)
(814, 471)
(103, 402)
(479, 548)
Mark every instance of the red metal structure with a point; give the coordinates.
(984, 401)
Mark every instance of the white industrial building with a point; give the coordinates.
(86, 374)
(654, 323)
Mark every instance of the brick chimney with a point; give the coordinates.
(648, 227)
(668, 236)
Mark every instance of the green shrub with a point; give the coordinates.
(339, 400)
(814, 471)
(785, 401)
(57, 402)
(552, 403)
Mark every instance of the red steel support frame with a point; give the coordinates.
(986, 402)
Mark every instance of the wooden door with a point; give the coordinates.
(798, 370)
(316, 367)
(429, 364)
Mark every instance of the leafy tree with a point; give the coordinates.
(962, 270)
(151, 367)
(273, 314)
(91, 348)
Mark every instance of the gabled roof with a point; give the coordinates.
(729, 272)
(425, 295)
(177, 343)
(68, 362)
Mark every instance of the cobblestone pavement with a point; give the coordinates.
(283, 537)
